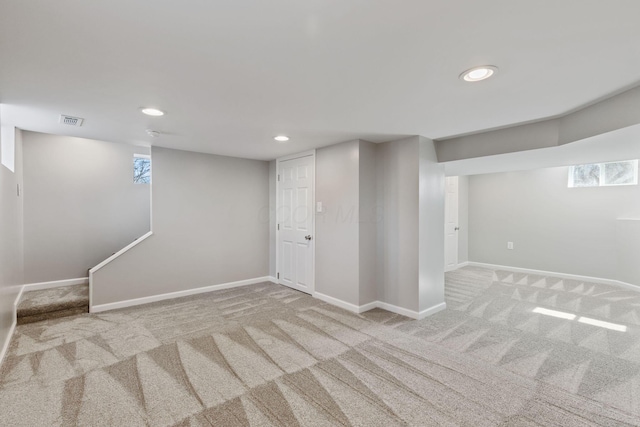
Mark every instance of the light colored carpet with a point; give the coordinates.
(490, 317)
(44, 304)
(267, 355)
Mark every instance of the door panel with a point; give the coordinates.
(302, 210)
(302, 267)
(295, 218)
(287, 259)
(287, 209)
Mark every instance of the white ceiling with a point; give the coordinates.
(231, 74)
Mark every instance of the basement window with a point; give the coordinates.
(141, 169)
(604, 174)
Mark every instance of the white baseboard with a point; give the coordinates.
(55, 284)
(337, 302)
(273, 279)
(379, 304)
(460, 265)
(178, 294)
(7, 341)
(411, 313)
(557, 274)
(369, 306)
(398, 310)
(432, 310)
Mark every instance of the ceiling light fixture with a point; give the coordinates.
(281, 138)
(153, 112)
(477, 74)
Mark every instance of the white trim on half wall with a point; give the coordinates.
(55, 284)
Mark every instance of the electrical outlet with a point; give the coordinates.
(510, 245)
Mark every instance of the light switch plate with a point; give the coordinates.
(319, 207)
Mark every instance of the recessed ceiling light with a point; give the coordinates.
(477, 74)
(281, 138)
(152, 112)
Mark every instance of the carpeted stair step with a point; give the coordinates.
(53, 303)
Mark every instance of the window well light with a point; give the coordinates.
(600, 323)
(152, 112)
(477, 74)
(554, 313)
(281, 138)
(582, 319)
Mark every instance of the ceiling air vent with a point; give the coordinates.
(71, 121)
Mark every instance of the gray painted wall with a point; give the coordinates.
(463, 219)
(11, 264)
(554, 228)
(616, 112)
(398, 237)
(80, 204)
(508, 140)
(346, 230)
(628, 245)
(337, 227)
(369, 215)
(210, 226)
(380, 237)
(431, 226)
(612, 114)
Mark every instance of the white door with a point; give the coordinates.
(295, 222)
(451, 224)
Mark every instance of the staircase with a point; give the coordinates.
(45, 304)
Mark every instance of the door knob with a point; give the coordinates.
(308, 237)
(457, 228)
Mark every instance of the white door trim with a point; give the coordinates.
(309, 153)
(296, 156)
(451, 209)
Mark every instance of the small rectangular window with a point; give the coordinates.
(604, 174)
(141, 169)
(586, 175)
(621, 173)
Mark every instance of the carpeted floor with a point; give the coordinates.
(267, 355)
(492, 317)
(36, 306)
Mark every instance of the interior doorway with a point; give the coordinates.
(295, 221)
